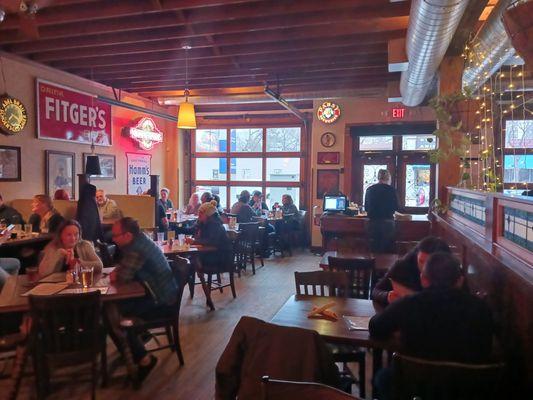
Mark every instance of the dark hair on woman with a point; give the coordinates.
(428, 245)
(244, 197)
(61, 194)
(65, 224)
(130, 225)
(216, 197)
(442, 270)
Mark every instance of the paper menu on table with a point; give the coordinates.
(103, 290)
(356, 323)
(55, 277)
(46, 289)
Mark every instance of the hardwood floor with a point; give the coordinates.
(204, 335)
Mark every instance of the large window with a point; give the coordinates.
(266, 159)
(518, 156)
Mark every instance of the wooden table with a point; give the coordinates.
(25, 249)
(12, 301)
(383, 261)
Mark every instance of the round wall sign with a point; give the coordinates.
(328, 112)
(328, 139)
(13, 115)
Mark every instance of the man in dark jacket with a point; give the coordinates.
(442, 322)
(9, 215)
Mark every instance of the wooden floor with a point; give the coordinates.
(204, 335)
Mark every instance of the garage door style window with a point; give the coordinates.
(518, 156)
(228, 161)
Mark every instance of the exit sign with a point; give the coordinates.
(398, 112)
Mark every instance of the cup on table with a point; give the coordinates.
(160, 237)
(87, 274)
(181, 240)
(32, 273)
(171, 235)
(28, 228)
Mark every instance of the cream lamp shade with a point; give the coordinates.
(186, 116)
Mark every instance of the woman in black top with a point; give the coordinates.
(406, 271)
(87, 214)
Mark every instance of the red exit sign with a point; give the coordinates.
(398, 112)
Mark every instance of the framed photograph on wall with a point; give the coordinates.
(10, 164)
(328, 157)
(60, 172)
(107, 166)
(327, 181)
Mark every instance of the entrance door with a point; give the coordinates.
(366, 171)
(415, 179)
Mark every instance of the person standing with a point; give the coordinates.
(380, 204)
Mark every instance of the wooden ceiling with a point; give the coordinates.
(238, 46)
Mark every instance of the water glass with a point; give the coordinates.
(181, 240)
(86, 273)
(28, 228)
(160, 237)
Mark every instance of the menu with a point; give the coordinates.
(46, 289)
(356, 323)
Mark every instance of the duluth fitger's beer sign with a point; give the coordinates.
(70, 115)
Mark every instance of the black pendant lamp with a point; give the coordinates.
(92, 166)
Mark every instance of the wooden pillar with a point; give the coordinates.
(449, 171)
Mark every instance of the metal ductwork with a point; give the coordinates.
(432, 24)
(491, 49)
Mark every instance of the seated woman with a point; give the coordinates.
(61, 194)
(67, 249)
(194, 204)
(211, 232)
(216, 197)
(405, 273)
(45, 217)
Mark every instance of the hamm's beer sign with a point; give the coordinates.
(70, 115)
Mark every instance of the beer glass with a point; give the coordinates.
(86, 276)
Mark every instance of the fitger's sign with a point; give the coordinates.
(67, 114)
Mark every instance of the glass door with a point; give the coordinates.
(366, 172)
(415, 182)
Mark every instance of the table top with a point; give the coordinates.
(33, 238)
(383, 261)
(294, 313)
(183, 250)
(12, 301)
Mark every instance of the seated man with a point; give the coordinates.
(257, 203)
(9, 215)
(142, 260)
(242, 209)
(107, 208)
(442, 322)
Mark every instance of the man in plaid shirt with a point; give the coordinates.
(142, 260)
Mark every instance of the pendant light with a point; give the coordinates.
(186, 115)
(92, 166)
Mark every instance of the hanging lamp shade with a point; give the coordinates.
(92, 167)
(186, 116)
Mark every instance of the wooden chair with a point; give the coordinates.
(360, 270)
(274, 389)
(66, 331)
(443, 380)
(246, 246)
(181, 270)
(339, 285)
(315, 283)
(14, 342)
(281, 239)
(225, 266)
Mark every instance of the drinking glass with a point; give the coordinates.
(160, 236)
(171, 235)
(86, 276)
(181, 239)
(28, 228)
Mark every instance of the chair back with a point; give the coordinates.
(360, 271)
(181, 270)
(443, 380)
(315, 283)
(248, 233)
(275, 389)
(67, 325)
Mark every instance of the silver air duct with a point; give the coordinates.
(432, 24)
(491, 49)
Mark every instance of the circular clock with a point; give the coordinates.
(328, 112)
(328, 139)
(13, 115)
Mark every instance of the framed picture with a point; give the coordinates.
(60, 172)
(107, 166)
(328, 157)
(327, 181)
(10, 164)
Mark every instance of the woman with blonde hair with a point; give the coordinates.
(68, 249)
(45, 217)
(194, 204)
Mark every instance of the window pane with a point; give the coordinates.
(417, 185)
(211, 140)
(235, 191)
(220, 190)
(273, 195)
(370, 176)
(519, 134)
(246, 169)
(375, 143)
(248, 140)
(518, 168)
(515, 192)
(283, 169)
(283, 139)
(419, 142)
(211, 169)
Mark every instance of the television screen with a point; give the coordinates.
(335, 203)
